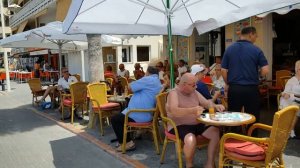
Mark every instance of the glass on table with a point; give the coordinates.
(211, 111)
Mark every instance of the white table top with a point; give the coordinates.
(227, 119)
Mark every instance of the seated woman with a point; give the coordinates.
(108, 73)
(291, 94)
(166, 83)
(218, 80)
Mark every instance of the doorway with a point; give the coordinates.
(286, 40)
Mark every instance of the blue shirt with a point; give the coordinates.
(242, 60)
(144, 97)
(203, 89)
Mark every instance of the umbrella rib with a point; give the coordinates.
(140, 15)
(174, 5)
(187, 11)
(232, 3)
(91, 7)
(184, 5)
(146, 5)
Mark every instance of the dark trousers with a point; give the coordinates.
(37, 73)
(117, 122)
(246, 96)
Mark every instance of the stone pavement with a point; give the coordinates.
(30, 140)
(43, 136)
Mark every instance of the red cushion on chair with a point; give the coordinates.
(67, 102)
(243, 147)
(107, 106)
(139, 123)
(275, 88)
(245, 157)
(170, 136)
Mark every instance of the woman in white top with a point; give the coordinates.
(291, 94)
(217, 78)
(181, 68)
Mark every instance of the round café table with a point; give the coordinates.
(225, 119)
(118, 99)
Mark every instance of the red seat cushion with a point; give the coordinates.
(139, 123)
(107, 106)
(170, 136)
(243, 148)
(275, 88)
(67, 102)
(244, 157)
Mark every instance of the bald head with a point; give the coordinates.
(187, 83)
(186, 78)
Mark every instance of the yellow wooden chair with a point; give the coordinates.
(131, 80)
(36, 88)
(161, 102)
(273, 145)
(124, 82)
(224, 102)
(277, 88)
(76, 98)
(111, 84)
(100, 106)
(149, 126)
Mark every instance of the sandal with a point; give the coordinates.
(130, 146)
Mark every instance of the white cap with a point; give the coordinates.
(197, 68)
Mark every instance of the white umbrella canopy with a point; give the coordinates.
(150, 16)
(153, 17)
(51, 37)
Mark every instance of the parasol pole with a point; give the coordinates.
(60, 57)
(4, 50)
(170, 45)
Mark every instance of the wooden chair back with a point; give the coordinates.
(97, 91)
(281, 128)
(124, 82)
(35, 84)
(279, 74)
(110, 81)
(284, 80)
(78, 92)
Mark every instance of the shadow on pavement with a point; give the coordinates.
(20, 119)
(67, 153)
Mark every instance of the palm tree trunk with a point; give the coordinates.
(96, 70)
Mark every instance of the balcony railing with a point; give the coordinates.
(30, 9)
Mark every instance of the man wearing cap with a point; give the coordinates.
(240, 65)
(199, 71)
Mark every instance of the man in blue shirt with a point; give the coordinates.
(144, 97)
(240, 70)
(199, 71)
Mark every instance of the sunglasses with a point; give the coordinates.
(65, 71)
